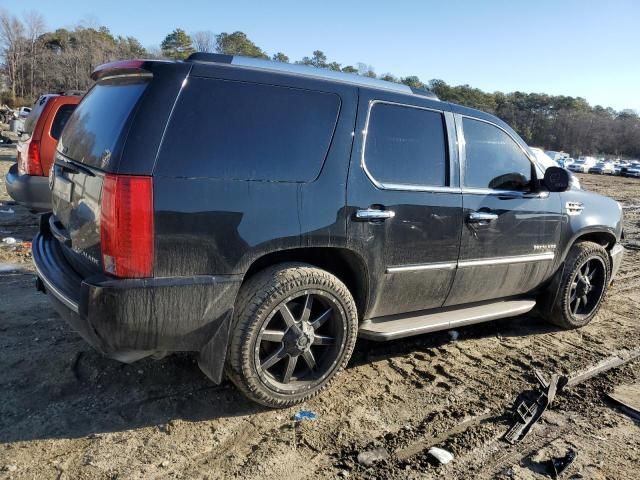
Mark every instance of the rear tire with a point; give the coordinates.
(295, 327)
(583, 285)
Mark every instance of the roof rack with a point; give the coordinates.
(307, 71)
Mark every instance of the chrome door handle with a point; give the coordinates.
(483, 218)
(374, 214)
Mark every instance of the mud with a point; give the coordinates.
(66, 412)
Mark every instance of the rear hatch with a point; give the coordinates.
(89, 156)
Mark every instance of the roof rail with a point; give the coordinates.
(307, 71)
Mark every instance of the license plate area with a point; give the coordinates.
(62, 188)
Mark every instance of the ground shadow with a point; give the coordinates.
(67, 390)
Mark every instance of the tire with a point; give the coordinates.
(307, 310)
(570, 309)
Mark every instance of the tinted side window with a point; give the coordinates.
(246, 131)
(406, 145)
(60, 120)
(494, 160)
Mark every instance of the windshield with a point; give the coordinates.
(95, 128)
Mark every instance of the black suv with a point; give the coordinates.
(266, 214)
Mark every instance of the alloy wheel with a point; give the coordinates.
(587, 287)
(300, 342)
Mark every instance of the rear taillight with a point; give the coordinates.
(126, 225)
(32, 165)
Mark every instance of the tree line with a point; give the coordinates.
(36, 61)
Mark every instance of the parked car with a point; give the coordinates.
(631, 171)
(27, 181)
(582, 165)
(23, 112)
(265, 215)
(603, 168)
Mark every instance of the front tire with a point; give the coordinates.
(295, 327)
(583, 285)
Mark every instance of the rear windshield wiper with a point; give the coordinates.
(74, 168)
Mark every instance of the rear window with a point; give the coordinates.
(36, 111)
(93, 132)
(245, 131)
(61, 119)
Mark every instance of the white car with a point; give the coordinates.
(546, 162)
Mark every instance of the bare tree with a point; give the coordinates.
(11, 39)
(35, 26)
(204, 41)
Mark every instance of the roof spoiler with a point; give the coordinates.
(121, 67)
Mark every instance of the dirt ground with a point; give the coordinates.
(66, 412)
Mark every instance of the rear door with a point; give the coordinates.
(404, 204)
(511, 229)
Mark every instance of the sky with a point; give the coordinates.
(584, 48)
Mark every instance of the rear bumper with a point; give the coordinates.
(616, 254)
(132, 318)
(29, 190)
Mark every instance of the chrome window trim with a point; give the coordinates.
(462, 153)
(515, 259)
(424, 266)
(405, 186)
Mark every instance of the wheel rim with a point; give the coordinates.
(300, 342)
(587, 287)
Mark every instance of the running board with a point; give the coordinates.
(405, 325)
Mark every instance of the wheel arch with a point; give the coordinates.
(602, 237)
(344, 263)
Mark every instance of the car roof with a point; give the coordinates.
(308, 71)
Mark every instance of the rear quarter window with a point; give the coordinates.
(245, 131)
(62, 117)
(94, 130)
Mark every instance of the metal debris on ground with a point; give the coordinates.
(9, 240)
(557, 466)
(529, 412)
(441, 455)
(370, 457)
(305, 415)
(627, 397)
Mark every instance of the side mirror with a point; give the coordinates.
(556, 179)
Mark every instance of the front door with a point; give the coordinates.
(511, 228)
(404, 202)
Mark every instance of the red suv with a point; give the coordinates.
(27, 180)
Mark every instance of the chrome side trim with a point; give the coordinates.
(399, 186)
(426, 266)
(541, 257)
(55, 292)
(538, 257)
